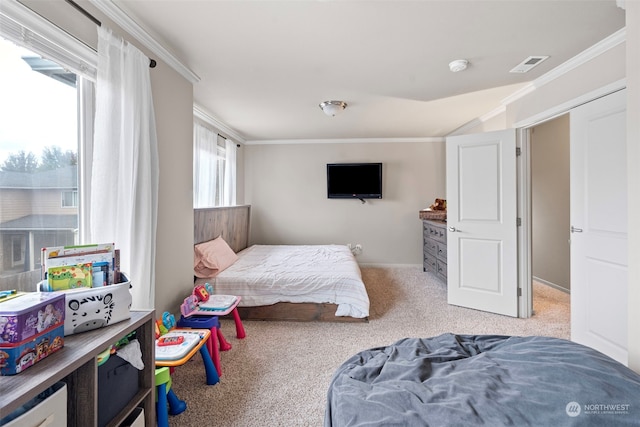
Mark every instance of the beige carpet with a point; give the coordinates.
(279, 374)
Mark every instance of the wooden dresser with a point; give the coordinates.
(434, 237)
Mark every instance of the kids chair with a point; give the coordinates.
(166, 400)
(213, 324)
(177, 346)
(195, 316)
(203, 302)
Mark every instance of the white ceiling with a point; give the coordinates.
(264, 66)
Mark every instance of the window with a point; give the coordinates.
(70, 199)
(214, 158)
(46, 104)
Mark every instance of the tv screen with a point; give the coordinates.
(354, 180)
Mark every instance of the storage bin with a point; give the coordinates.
(117, 385)
(135, 418)
(15, 358)
(25, 316)
(49, 409)
(92, 308)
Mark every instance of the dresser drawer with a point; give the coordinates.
(430, 263)
(441, 270)
(441, 251)
(436, 232)
(431, 246)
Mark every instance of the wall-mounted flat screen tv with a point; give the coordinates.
(354, 180)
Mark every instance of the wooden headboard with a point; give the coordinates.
(232, 223)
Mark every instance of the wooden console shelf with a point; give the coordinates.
(76, 365)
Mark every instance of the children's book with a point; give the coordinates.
(55, 256)
(62, 251)
(70, 277)
(101, 274)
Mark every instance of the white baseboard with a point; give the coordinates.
(382, 265)
(551, 284)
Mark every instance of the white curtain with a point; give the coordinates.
(205, 166)
(229, 191)
(124, 182)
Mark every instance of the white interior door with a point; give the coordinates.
(482, 253)
(599, 225)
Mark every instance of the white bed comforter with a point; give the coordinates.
(268, 274)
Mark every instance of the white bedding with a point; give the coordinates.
(268, 274)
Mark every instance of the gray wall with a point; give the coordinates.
(286, 188)
(550, 202)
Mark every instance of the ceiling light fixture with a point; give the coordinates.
(458, 65)
(331, 108)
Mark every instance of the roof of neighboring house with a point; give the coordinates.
(66, 177)
(41, 222)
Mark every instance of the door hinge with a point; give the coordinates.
(519, 222)
(518, 151)
(519, 292)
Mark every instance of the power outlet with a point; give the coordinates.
(357, 249)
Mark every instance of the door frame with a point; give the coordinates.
(523, 173)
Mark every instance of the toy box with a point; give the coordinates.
(92, 308)
(28, 315)
(15, 358)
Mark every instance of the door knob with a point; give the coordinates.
(452, 229)
(576, 230)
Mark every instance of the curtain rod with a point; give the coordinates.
(152, 62)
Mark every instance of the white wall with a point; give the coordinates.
(286, 187)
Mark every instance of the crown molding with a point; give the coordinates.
(117, 15)
(344, 141)
(583, 57)
(573, 103)
(198, 112)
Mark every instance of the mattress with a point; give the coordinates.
(268, 274)
(463, 380)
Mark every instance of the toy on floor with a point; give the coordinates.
(166, 400)
(192, 341)
(204, 302)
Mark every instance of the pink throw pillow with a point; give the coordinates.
(212, 257)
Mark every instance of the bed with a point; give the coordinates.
(280, 282)
(460, 380)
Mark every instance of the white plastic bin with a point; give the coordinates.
(135, 419)
(50, 411)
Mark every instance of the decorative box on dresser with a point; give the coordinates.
(434, 236)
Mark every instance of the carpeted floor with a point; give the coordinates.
(279, 374)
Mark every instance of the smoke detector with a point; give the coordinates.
(458, 65)
(528, 64)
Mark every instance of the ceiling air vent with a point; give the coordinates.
(528, 64)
